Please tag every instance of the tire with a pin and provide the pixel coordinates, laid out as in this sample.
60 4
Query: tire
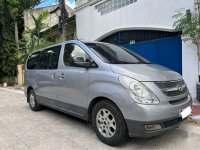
33 101
109 124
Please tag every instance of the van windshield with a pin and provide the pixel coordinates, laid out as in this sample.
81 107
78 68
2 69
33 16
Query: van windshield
113 54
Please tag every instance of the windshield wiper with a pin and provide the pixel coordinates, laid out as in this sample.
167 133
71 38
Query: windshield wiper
143 63
123 62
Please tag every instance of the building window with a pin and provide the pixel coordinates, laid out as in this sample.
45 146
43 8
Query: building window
111 5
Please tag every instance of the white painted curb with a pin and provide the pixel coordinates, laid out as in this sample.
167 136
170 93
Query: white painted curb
12 90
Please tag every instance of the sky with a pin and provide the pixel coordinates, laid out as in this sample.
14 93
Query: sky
45 3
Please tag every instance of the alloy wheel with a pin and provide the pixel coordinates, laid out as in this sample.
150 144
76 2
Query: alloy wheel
32 100
106 123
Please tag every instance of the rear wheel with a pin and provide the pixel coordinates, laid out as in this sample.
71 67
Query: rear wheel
109 123
33 101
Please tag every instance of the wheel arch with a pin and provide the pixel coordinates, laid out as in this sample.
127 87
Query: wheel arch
94 102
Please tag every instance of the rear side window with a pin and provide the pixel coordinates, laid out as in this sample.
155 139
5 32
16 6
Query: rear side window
49 58
46 59
54 57
34 61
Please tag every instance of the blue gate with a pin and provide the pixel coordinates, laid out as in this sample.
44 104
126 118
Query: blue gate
166 52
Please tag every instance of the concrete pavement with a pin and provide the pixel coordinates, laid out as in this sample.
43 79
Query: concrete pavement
21 128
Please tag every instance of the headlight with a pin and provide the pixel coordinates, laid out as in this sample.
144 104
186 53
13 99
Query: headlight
138 92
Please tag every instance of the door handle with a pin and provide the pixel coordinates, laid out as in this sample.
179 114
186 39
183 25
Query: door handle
62 76
53 75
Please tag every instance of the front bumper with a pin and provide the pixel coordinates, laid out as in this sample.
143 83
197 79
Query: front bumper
166 115
137 129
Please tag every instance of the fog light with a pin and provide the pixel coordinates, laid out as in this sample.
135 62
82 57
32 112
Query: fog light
152 127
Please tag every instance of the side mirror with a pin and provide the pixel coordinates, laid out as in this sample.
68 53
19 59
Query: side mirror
83 64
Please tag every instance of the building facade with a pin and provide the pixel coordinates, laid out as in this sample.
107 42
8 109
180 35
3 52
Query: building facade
143 26
52 21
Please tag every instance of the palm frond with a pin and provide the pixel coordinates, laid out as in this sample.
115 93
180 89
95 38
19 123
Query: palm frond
32 37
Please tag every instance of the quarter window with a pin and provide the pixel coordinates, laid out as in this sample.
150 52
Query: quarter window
34 61
74 54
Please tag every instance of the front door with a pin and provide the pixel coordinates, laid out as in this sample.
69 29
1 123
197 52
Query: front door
73 86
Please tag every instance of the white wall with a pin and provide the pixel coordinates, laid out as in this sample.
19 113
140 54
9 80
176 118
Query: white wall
155 14
190 65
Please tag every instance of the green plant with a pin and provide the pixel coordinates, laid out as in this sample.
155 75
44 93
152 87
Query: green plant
32 37
21 55
11 14
9 80
16 8
189 23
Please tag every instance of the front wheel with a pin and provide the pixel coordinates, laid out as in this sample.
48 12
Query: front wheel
109 123
34 105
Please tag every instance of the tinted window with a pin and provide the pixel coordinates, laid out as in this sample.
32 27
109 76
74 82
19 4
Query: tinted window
74 53
49 58
55 53
45 59
114 54
34 61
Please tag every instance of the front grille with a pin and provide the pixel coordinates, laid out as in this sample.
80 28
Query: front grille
176 93
173 88
168 84
175 102
170 123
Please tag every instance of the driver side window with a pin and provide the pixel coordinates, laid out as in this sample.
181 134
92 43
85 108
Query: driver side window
74 54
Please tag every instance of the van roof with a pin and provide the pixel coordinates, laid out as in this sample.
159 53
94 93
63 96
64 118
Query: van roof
83 41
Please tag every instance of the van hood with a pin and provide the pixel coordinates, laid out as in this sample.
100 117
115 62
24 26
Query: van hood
145 72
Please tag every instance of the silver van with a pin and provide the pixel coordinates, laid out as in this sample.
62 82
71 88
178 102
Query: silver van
120 93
